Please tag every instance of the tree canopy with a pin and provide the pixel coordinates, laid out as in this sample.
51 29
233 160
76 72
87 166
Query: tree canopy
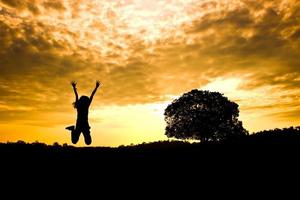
203 115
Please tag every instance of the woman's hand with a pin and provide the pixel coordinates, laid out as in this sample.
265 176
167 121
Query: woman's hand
98 83
73 83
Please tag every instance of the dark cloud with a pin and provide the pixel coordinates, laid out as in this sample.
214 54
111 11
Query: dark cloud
55 4
296 34
251 37
34 68
284 81
34 6
292 115
30 5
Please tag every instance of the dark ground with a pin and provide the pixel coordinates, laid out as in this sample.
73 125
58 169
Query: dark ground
236 165
156 154
276 145
249 164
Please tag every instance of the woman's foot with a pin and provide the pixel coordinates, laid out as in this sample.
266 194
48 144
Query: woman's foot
70 128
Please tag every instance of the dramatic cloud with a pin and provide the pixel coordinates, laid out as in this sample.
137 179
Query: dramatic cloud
147 51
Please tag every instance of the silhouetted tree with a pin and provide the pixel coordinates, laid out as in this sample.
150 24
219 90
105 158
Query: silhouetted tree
203 115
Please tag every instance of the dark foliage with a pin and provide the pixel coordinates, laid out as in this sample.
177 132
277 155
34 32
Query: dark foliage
166 166
203 115
266 150
164 151
276 136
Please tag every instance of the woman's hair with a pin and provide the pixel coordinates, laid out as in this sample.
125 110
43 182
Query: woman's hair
82 102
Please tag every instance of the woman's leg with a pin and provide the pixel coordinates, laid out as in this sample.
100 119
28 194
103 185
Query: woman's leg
87 137
75 136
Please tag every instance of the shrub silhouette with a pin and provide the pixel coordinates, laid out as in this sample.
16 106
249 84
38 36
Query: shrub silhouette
277 146
289 135
203 115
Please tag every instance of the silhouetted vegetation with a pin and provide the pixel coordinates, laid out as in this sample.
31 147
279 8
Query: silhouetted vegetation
162 151
205 116
276 136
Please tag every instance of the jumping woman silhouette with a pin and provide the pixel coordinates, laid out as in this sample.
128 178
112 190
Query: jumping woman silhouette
82 124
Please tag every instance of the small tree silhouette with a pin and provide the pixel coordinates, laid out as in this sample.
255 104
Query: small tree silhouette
203 115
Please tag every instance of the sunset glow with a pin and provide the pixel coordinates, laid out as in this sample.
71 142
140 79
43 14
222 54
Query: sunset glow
145 53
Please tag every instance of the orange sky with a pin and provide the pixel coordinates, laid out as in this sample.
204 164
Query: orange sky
146 53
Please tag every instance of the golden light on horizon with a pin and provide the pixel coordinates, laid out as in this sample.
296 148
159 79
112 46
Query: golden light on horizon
146 53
